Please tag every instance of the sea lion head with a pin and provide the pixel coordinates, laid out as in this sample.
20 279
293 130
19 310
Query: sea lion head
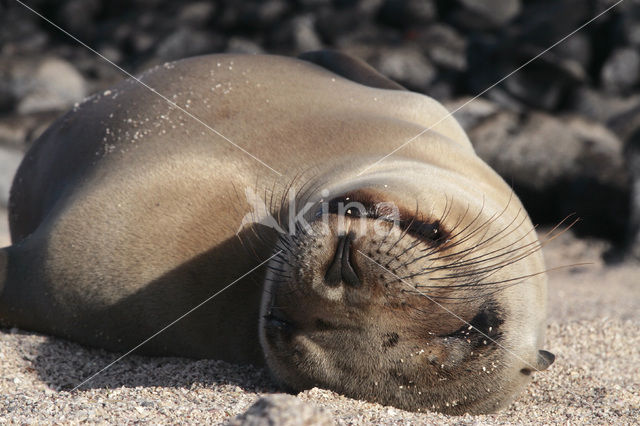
409 286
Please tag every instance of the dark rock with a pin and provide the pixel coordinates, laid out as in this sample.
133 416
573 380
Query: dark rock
186 42
9 161
444 46
281 409
543 83
621 71
485 14
310 4
331 24
627 126
629 13
252 16
406 65
407 13
20 34
633 162
77 17
576 49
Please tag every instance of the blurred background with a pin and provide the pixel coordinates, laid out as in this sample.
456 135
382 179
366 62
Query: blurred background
564 131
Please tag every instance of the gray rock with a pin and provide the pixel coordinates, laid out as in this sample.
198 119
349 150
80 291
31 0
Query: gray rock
186 42
600 106
243 45
559 167
282 410
406 65
304 34
9 161
18 131
469 113
54 84
542 150
621 71
197 14
486 14
444 46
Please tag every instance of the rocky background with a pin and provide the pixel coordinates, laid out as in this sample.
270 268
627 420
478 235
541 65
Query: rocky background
564 130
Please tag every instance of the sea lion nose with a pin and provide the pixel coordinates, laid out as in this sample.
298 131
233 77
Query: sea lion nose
341 268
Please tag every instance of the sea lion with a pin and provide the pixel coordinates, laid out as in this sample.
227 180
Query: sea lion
415 281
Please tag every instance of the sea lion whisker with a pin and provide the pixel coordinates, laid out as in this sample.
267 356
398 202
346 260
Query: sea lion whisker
464 261
454 236
487 223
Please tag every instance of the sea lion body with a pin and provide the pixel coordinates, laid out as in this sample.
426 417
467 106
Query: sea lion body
124 213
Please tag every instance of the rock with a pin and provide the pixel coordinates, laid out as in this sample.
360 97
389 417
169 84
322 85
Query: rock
197 14
53 85
18 131
633 161
9 161
407 13
469 113
543 83
282 410
406 65
621 71
333 24
304 34
627 126
444 46
253 16
559 167
78 16
243 45
186 42
629 14
600 106
485 14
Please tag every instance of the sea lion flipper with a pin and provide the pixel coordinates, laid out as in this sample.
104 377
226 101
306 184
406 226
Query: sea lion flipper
349 67
545 359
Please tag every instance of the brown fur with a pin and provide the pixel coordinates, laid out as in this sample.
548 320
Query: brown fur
123 217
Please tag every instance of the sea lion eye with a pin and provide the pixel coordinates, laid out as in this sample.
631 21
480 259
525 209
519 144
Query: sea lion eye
349 207
428 231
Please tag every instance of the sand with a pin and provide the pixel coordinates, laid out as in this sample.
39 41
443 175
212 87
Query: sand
593 330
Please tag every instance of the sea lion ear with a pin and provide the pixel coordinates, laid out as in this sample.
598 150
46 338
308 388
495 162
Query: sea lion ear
351 68
545 359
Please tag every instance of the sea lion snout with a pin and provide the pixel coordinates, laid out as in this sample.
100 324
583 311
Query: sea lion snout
342 269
